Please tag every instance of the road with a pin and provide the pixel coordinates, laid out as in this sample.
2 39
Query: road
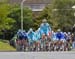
37 55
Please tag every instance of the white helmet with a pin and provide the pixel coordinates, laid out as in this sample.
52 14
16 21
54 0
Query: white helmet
44 20
30 29
69 33
58 30
20 30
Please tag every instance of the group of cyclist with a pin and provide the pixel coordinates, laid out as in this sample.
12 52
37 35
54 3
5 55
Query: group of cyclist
44 39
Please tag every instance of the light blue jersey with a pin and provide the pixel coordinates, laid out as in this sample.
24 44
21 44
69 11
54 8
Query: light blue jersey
30 35
37 35
45 28
54 36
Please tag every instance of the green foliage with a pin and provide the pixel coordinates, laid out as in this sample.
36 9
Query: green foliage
10 19
60 13
16 15
5 21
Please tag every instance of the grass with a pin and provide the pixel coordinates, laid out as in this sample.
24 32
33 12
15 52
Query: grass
4 46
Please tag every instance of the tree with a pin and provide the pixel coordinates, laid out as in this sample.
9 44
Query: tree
16 15
59 13
10 19
5 21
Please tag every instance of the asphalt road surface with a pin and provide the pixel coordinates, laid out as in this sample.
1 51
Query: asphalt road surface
37 55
